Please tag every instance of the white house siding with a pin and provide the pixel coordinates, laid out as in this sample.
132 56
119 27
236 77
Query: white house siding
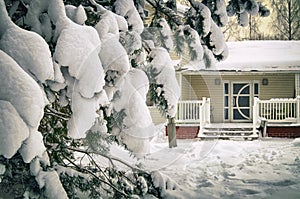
194 87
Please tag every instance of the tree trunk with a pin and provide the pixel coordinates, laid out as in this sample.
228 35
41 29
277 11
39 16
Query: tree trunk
171 128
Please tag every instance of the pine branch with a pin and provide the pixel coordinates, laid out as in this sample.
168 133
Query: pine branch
57 113
95 176
166 11
110 158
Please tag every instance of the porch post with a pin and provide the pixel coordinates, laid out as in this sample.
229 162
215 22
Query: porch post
298 109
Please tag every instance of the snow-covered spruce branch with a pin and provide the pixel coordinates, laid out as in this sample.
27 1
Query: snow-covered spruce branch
110 158
166 11
56 113
95 176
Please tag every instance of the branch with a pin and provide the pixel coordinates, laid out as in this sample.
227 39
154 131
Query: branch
166 11
59 114
91 173
110 158
50 113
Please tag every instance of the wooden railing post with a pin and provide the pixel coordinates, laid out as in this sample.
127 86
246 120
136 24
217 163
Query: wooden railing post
255 113
202 115
207 111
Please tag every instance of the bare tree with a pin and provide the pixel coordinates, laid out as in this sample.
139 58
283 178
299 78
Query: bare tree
287 24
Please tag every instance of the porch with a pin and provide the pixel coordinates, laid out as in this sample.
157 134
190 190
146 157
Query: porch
278 117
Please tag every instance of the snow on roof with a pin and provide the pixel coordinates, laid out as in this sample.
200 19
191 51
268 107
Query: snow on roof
262 56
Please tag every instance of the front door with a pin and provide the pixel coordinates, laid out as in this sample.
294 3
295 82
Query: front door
238 101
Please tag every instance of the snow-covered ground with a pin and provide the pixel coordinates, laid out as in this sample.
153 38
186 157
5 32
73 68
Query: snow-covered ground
267 168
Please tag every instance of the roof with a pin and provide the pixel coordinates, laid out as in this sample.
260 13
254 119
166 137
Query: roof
262 56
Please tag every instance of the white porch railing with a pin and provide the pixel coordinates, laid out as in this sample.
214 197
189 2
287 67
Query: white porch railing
195 112
188 111
276 110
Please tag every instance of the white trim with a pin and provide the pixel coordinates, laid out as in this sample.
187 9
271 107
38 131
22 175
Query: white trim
231 101
297 84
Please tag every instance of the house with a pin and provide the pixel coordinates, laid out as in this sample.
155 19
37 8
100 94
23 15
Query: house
255 90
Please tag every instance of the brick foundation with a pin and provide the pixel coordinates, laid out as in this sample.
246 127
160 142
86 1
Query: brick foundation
185 132
283 131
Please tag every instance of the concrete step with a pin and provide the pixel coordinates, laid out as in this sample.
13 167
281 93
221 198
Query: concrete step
248 137
212 132
229 128
223 132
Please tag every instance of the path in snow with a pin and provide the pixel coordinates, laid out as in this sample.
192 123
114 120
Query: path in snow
267 168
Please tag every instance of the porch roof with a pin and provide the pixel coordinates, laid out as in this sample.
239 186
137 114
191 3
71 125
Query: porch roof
261 56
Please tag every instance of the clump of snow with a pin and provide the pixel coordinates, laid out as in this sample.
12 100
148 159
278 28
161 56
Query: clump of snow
221 11
142 184
245 8
2 169
13 130
296 142
37 19
165 70
113 56
18 88
35 166
131 41
84 113
110 24
33 146
217 40
50 182
206 15
76 14
139 81
166 33
127 9
27 48
137 125
163 182
77 49
195 42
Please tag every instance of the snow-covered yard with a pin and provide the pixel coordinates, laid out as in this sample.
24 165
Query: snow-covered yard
267 168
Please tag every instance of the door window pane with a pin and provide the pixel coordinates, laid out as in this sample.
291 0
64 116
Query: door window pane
226 116
238 116
244 101
238 87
